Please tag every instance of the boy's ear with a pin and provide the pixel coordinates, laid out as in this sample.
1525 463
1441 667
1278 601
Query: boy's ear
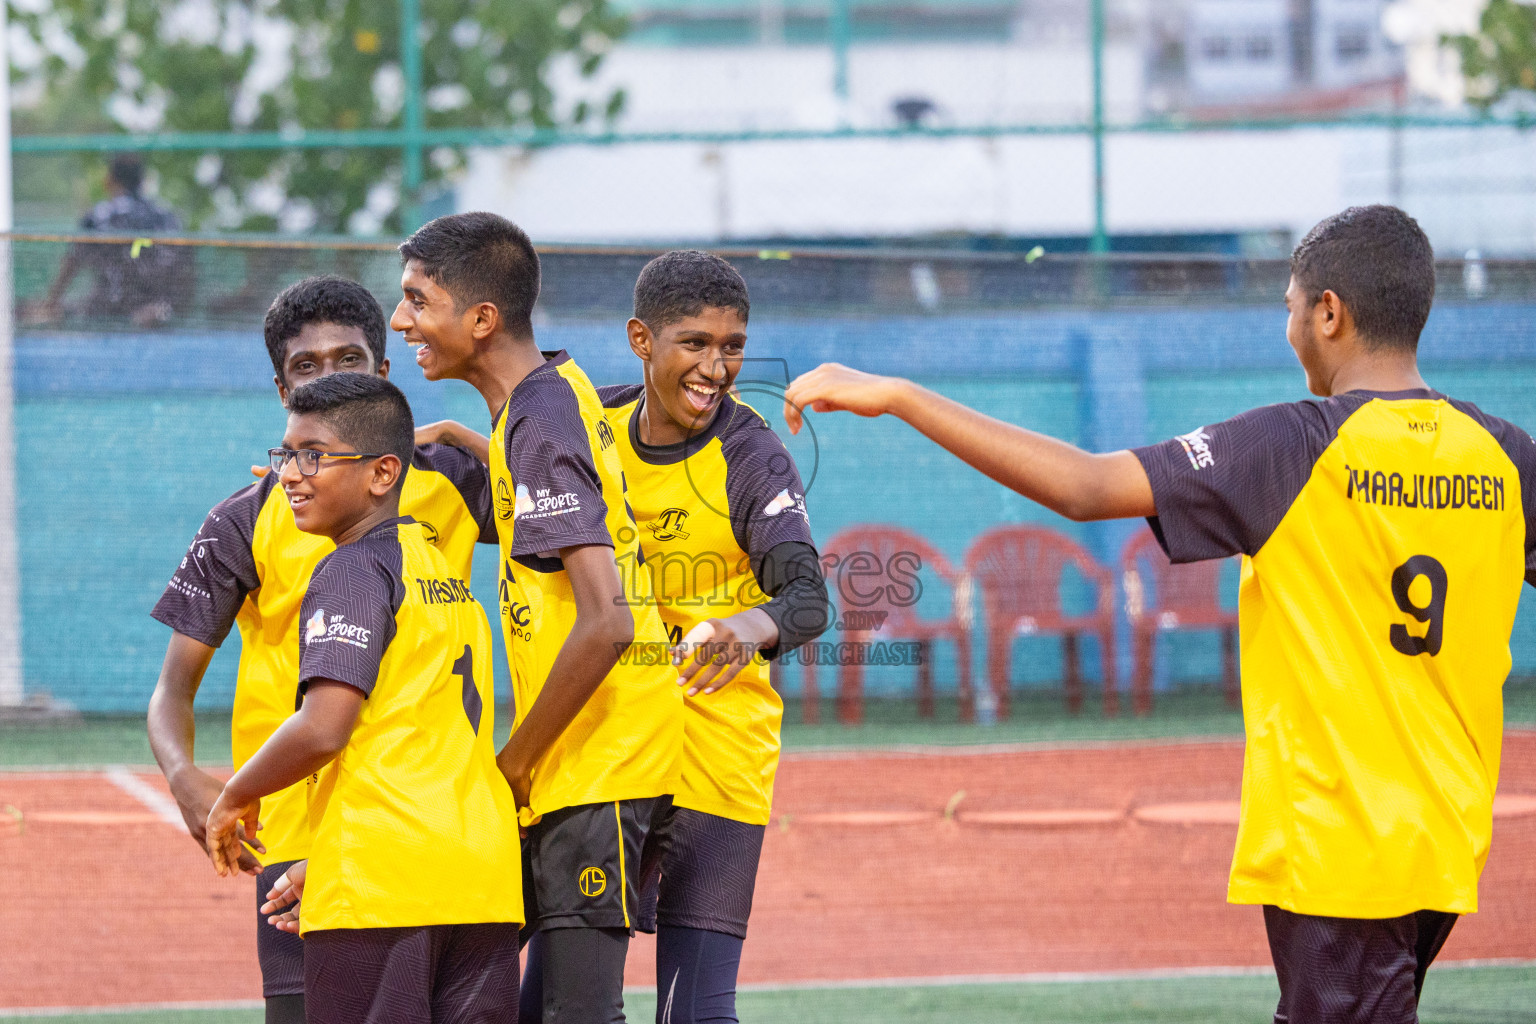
282 390
1333 319
483 319
640 339
386 471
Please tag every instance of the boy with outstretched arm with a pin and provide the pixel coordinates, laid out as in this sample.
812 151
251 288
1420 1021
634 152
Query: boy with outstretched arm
1385 531
594 750
249 566
412 900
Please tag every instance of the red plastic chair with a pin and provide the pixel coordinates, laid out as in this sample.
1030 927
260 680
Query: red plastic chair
875 602
1181 597
1018 570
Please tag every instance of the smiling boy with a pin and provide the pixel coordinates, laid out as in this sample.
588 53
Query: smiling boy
594 749
249 566
728 546
1385 531
412 896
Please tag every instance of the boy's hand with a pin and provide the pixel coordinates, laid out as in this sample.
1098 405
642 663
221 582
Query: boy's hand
286 891
196 792
715 651
229 825
833 387
517 776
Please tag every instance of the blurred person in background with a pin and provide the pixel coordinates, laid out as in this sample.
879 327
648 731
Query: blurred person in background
141 281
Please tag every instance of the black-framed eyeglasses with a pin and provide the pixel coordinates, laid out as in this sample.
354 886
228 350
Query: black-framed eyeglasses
309 459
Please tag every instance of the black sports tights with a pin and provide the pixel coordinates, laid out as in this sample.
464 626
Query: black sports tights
285 1009
574 976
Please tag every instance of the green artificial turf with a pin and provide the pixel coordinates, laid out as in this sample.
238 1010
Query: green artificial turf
1453 995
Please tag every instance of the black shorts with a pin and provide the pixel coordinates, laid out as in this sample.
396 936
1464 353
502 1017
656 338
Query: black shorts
581 865
1342 970
434 974
281 954
700 872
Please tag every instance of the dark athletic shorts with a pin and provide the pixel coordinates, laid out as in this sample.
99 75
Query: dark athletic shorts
700 872
281 954
581 865
1341 970
435 974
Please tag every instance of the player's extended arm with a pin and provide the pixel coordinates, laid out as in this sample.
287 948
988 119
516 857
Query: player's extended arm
1068 480
301 746
604 628
455 433
173 732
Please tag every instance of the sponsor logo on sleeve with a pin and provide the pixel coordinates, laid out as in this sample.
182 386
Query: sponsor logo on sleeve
335 629
1197 445
544 503
604 435
785 501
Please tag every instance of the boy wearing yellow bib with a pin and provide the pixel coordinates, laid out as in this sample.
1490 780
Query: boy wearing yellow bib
594 749
412 900
727 543
1385 531
248 567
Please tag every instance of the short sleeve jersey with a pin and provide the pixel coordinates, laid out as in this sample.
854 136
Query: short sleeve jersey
1385 537
558 483
706 508
413 823
249 566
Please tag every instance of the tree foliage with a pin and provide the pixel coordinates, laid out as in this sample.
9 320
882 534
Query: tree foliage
1500 58
207 65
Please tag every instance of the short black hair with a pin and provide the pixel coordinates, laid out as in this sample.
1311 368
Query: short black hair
1380 263
480 257
322 300
127 169
368 413
684 283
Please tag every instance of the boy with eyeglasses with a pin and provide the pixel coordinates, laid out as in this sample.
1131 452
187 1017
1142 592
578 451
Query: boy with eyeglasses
412 900
249 566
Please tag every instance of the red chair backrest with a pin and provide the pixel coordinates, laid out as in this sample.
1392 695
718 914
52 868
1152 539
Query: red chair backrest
1019 570
896 555
1154 585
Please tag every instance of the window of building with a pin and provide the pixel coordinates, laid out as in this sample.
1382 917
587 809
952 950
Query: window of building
1216 47
1353 42
1260 48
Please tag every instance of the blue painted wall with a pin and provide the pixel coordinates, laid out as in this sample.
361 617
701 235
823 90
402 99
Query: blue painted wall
125 442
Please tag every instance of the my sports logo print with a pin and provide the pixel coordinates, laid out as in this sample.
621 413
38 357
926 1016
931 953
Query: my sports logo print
320 630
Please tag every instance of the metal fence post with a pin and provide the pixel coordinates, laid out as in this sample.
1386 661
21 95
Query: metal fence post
410 67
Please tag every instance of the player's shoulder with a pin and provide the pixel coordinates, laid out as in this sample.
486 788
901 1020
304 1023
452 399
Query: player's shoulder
744 429
361 564
240 511
1516 442
549 394
618 396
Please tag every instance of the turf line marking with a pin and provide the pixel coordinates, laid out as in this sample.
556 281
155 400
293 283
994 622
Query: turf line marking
102 1011
160 805
894 750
